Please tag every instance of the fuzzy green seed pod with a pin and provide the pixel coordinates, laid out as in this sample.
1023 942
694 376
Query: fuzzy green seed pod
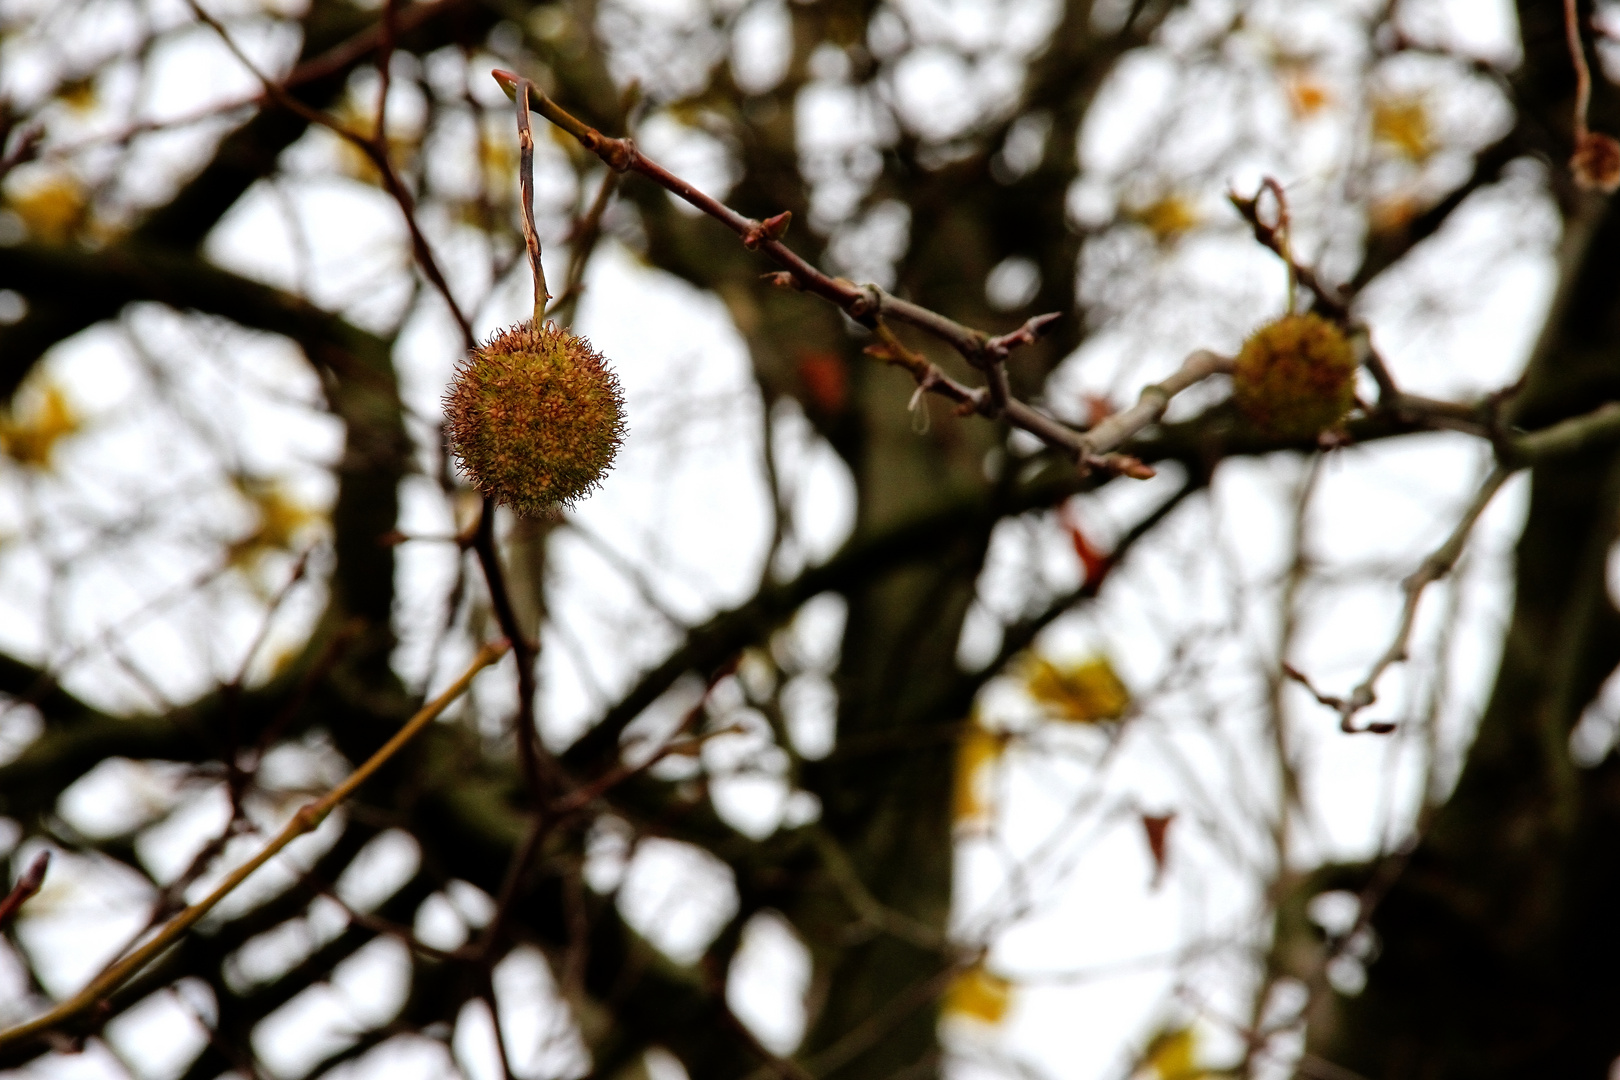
535 418
1296 377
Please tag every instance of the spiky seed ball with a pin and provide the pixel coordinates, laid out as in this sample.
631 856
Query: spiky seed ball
535 418
1596 163
1295 377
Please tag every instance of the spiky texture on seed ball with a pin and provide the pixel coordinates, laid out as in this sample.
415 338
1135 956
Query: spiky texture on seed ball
535 418
1295 377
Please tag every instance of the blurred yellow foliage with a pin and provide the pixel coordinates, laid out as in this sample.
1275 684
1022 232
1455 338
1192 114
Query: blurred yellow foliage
1168 218
980 995
30 434
474 213
1170 1055
53 209
978 751
283 522
1402 123
1079 693
354 162
1307 94
78 94
499 159
281 659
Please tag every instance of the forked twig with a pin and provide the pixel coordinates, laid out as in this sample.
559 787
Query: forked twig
376 151
1440 562
306 820
1278 238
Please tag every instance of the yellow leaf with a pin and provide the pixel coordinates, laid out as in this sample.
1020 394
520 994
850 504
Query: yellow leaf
1307 94
499 158
1082 693
1168 218
472 212
78 94
980 995
361 119
1170 1055
1402 123
281 659
30 434
283 522
975 755
53 209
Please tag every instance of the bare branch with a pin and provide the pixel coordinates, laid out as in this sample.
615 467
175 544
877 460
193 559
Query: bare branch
866 304
1275 237
304 821
1439 563
582 240
375 152
1098 444
1570 436
25 147
524 650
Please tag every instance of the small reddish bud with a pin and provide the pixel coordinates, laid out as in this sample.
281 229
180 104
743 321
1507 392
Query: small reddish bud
1295 377
535 418
777 227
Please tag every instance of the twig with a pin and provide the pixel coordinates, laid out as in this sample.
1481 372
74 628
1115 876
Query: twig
385 62
993 357
581 242
884 1019
1276 237
548 816
1436 566
1583 74
869 908
300 568
497 1029
388 928
524 650
232 691
331 653
866 304
306 820
677 743
333 61
375 153
1098 445
26 886
25 147
1570 436
531 237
